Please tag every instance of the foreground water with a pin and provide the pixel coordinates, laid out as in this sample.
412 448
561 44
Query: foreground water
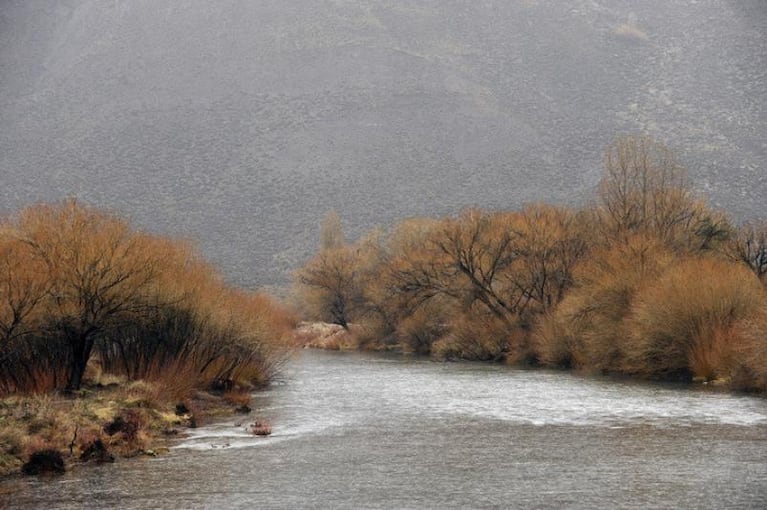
372 431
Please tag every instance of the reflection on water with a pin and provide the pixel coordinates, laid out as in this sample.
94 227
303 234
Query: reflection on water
359 430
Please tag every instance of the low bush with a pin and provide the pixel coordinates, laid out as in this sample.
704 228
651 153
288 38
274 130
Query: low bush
691 322
48 461
418 332
478 336
588 330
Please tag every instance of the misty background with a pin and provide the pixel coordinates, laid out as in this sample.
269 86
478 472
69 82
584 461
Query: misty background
241 123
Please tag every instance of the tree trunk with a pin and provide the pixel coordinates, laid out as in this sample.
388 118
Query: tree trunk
82 345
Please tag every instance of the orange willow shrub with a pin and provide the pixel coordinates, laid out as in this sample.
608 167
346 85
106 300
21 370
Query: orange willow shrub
409 320
749 360
476 334
26 361
410 271
417 332
690 323
546 283
551 241
99 276
213 334
511 266
588 328
77 280
439 270
333 285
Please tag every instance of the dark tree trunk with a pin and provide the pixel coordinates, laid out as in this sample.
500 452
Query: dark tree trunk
82 345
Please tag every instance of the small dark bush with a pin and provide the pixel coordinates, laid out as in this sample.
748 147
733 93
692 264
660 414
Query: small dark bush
44 462
129 423
98 452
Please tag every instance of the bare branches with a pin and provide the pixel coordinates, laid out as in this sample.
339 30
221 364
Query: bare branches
334 283
22 288
645 189
749 246
480 247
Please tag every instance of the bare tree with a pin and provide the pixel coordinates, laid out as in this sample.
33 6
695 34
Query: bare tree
99 275
480 247
465 259
749 246
644 188
551 242
331 283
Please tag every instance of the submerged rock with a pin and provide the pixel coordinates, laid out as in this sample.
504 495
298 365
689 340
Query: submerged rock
260 428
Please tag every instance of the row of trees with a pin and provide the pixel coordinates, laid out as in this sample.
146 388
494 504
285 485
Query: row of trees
649 280
78 285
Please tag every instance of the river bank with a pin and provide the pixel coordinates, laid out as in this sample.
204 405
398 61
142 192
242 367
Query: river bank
332 337
51 433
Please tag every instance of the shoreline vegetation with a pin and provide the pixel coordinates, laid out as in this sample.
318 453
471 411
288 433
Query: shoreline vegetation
112 340
648 281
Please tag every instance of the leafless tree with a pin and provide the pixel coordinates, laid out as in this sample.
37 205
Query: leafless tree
99 275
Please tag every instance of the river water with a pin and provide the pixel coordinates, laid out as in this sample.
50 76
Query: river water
378 431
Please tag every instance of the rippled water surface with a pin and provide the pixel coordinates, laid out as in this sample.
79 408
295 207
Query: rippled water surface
371 431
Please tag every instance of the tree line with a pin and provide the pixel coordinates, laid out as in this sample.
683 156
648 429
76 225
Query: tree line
647 280
79 287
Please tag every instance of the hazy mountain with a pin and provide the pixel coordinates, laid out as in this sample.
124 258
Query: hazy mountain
240 123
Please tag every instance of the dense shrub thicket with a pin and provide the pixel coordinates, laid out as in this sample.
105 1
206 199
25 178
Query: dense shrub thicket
649 280
78 286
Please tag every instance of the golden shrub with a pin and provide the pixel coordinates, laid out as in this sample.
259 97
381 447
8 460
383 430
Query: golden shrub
690 322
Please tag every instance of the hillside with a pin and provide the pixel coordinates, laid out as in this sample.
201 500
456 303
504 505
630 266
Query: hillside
240 124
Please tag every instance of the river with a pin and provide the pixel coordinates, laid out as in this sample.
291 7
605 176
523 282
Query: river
381 431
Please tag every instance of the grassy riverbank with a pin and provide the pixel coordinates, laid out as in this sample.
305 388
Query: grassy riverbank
108 419
648 281
111 338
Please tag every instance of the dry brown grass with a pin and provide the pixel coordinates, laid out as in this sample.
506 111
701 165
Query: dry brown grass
127 419
240 398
